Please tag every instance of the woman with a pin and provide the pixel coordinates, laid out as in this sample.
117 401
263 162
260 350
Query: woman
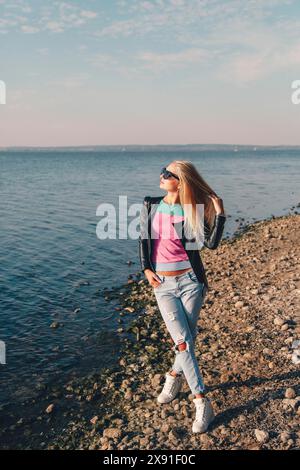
172 264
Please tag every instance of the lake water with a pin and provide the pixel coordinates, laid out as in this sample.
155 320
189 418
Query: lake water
53 264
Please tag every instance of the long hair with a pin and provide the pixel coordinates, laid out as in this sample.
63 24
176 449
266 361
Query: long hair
194 190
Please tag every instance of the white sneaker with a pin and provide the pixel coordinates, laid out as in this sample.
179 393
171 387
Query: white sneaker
171 388
204 414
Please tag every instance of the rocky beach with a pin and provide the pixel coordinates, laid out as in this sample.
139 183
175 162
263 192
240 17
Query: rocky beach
248 352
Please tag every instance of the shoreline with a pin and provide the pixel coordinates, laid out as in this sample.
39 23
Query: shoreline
117 408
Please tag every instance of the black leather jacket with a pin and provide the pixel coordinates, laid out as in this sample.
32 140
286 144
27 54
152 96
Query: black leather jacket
212 238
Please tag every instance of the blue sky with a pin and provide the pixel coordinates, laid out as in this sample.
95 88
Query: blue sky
149 72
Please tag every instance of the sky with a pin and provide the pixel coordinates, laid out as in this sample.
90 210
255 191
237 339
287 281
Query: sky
117 72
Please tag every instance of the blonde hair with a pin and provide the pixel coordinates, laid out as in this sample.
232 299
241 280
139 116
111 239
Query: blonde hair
193 189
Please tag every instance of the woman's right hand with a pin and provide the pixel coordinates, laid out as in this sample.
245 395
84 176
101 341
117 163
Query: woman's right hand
153 279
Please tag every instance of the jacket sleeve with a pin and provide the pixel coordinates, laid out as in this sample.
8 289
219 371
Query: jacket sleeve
212 237
144 236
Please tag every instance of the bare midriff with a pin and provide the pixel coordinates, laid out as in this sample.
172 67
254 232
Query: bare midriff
173 273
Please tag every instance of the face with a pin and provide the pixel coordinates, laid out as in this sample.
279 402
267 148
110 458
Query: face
169 184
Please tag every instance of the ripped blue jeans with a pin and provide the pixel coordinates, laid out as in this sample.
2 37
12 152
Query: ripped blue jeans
180 299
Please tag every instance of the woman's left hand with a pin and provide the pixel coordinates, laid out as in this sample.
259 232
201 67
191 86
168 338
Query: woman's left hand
218 204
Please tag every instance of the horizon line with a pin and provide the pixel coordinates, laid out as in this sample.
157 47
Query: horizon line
142 145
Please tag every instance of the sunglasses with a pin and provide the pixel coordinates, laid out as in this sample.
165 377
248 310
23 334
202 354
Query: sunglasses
168 174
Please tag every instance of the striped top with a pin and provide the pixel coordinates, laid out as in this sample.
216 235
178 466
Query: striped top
168 253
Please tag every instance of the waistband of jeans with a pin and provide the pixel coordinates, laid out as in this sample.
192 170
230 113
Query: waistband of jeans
174 276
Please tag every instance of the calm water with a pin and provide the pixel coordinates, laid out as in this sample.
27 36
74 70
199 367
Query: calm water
49 248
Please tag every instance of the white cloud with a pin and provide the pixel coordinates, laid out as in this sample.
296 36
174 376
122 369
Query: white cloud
243 40
29 29
70 82
104 61
125 28
54 26
52 16
88 14
246 68
156 62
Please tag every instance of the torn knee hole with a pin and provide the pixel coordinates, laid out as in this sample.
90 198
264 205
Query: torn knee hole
181 346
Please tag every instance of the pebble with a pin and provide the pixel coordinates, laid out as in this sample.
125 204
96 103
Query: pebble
94 420
290 393
129 309
285 436
148 430
279 321
144 441
261 436
165 428
296 357
224 431
155 381
112 433
205 439
49 408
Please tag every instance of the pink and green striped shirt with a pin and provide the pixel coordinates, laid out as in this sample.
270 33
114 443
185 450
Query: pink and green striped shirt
168 253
